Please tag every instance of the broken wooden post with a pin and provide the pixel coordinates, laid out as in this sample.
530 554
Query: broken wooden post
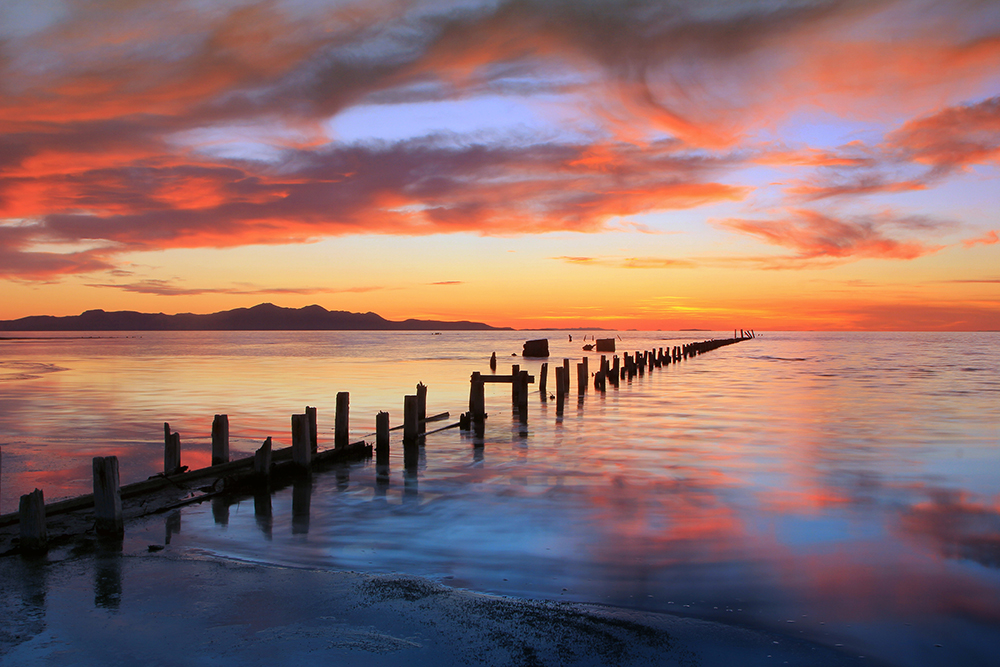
313 429
493 362
220 439
31 515
301 449
560 394
581 377
341 428
409 419
171 450
521 379
477 398
382 438
107 497
543 376
421 407
514 386
565 376
262 460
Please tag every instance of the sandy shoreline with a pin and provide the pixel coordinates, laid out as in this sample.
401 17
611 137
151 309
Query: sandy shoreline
91 604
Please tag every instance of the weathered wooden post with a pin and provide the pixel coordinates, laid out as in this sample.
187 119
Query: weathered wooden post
262 460
421 407
341 429
171 450
522 395
586 365
581 377
514 386
616 371
107 497
313 429
493 362
382 438
560 394
542 377
220 439
409 419
477 403
31 515
565 386
301 449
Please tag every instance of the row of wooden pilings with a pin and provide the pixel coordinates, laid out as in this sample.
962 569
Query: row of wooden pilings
626 367
107 496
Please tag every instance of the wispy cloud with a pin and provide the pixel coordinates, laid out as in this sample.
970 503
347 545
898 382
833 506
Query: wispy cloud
630 262
171 288
814 236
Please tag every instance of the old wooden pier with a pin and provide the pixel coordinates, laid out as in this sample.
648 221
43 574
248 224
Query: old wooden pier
36 525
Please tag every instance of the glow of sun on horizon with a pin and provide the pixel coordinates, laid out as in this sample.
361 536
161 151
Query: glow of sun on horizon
530 164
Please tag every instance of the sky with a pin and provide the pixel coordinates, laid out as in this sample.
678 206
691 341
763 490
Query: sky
647 164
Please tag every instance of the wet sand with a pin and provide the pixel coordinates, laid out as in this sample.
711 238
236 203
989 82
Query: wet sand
95 604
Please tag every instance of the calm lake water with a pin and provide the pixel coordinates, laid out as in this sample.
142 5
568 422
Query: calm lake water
839 486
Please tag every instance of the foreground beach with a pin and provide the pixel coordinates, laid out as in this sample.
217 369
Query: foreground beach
89 605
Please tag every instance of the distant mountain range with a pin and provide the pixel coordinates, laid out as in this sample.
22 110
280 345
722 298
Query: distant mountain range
264 317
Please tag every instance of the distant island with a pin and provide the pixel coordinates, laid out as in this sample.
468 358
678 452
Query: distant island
263 317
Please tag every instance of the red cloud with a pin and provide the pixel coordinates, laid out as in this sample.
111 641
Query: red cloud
814 236
989 238
955 137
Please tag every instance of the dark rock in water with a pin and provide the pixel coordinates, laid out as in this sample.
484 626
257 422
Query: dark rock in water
588 347
605 344
536 348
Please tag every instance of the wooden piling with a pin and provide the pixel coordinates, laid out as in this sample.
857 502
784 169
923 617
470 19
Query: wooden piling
262 460
313 429
421 407
521 380
220 439
514 386
301 449
542 377
560 394
107 497
382 438
171 450
477 398
581 377
409 419
341 429
31 516
565 376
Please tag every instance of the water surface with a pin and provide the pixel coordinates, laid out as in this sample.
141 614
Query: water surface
840 486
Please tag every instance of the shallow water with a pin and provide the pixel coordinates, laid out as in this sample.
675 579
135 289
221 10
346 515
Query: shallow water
839 486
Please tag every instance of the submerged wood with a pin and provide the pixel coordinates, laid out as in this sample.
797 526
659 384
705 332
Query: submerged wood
536 348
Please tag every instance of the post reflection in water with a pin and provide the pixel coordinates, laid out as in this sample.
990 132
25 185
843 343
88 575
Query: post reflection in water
262 511
220 510
381 480
411 461
108 574
23 591
172 525
302 489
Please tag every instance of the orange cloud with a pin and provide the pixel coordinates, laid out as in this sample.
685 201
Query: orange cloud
989 238
814 236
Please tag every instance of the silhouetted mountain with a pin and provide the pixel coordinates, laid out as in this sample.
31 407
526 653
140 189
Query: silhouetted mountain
264 317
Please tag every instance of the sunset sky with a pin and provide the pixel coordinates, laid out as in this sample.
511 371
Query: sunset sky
651 164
